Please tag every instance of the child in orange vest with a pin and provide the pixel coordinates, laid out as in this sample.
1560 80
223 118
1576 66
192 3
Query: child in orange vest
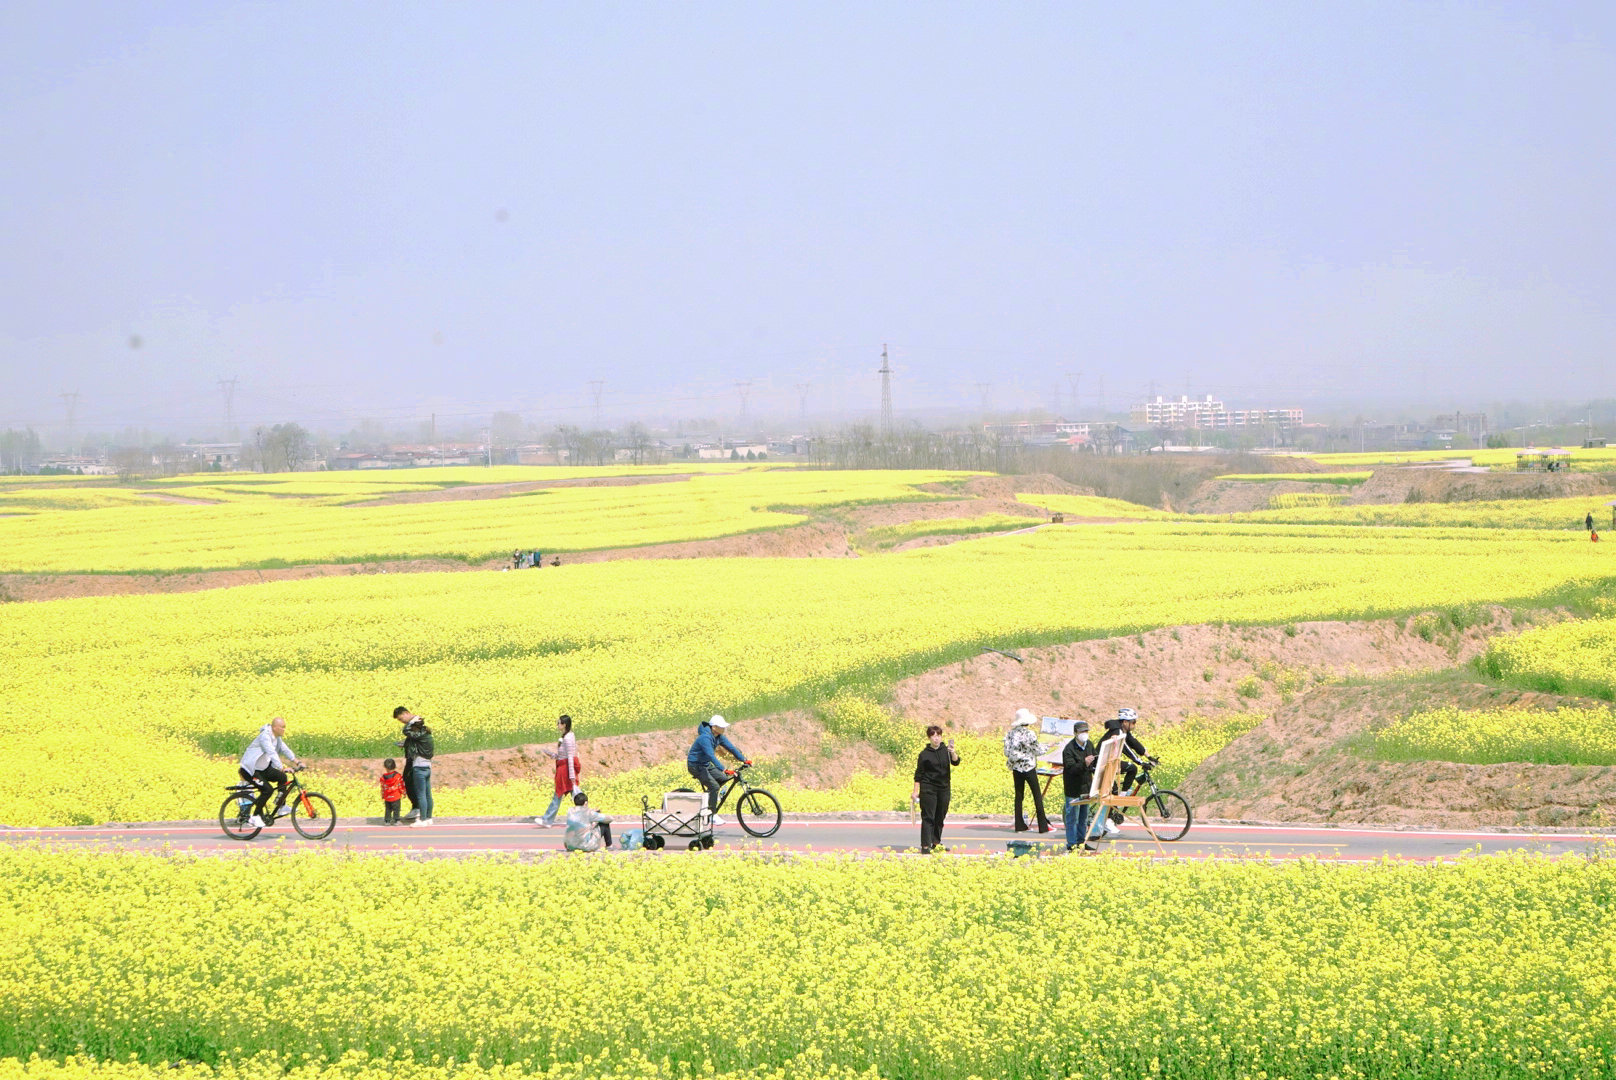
392 791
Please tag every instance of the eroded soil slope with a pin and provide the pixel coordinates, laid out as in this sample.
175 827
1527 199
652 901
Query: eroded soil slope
1307 763
1177 672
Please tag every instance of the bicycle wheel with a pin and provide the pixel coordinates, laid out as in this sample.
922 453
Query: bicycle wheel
758 812
318 824
1168 813
233 817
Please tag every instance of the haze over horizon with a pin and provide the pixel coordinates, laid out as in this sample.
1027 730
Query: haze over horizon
381 212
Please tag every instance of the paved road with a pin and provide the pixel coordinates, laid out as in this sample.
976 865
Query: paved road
973 837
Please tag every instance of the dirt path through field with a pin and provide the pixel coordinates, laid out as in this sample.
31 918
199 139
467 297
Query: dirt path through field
499 491
829 534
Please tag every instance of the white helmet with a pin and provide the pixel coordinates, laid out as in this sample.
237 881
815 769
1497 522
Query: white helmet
718 722
1127 714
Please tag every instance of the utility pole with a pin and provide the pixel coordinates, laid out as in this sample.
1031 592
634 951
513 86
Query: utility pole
70 398
802 400
597 387
886 394
743 388
228 386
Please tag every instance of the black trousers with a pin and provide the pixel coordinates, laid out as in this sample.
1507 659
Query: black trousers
933 810
409 786
268 779
391 813
1025 780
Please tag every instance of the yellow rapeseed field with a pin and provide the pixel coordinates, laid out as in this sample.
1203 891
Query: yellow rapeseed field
144 688
1574 657
1561 514
1567 736
291 521
130 966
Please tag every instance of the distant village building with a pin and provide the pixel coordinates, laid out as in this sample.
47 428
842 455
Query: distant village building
1208 414
214 457
1100 435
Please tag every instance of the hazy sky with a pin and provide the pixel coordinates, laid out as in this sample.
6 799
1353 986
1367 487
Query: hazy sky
384 209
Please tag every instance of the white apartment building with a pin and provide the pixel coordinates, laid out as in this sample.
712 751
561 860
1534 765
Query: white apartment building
1208 413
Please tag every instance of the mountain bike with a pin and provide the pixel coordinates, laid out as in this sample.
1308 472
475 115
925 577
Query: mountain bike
758 811
312 814
1168 811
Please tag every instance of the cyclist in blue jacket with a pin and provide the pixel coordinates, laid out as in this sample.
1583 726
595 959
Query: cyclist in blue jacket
703 762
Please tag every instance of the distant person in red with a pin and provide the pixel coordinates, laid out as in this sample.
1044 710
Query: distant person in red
392 791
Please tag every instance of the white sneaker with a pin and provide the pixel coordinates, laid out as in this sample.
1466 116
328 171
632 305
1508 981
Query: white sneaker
418 822
256 822
1111 829
717 821
541 823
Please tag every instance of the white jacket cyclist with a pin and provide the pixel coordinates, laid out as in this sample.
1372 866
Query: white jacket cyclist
267 749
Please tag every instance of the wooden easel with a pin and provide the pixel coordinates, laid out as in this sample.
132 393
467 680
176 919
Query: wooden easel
1102 798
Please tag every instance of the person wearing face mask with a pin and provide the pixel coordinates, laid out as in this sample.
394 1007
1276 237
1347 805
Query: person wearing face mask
1077 774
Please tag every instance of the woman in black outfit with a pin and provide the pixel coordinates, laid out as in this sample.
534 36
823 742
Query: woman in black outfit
932 778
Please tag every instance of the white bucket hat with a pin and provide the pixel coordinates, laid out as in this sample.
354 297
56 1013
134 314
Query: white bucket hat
1025 718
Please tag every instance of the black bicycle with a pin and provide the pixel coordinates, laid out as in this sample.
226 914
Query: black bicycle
1167 811
757 810
312 814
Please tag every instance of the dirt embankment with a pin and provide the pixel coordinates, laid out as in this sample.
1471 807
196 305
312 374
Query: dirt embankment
1417 484
1244 496
796 738
1177 672
1304 763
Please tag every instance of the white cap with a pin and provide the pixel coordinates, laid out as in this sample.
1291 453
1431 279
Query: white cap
1025 718
719 722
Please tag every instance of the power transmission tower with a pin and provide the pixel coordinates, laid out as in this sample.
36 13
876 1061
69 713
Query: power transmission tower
743 388
1074 379
984 390
1101 401
886 393
802 400
597 387
70 398
228 387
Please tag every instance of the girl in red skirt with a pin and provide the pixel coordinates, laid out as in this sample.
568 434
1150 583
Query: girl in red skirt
567 770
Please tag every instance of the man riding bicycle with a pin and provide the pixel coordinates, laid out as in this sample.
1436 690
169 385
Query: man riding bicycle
1134 756
263 766
703 762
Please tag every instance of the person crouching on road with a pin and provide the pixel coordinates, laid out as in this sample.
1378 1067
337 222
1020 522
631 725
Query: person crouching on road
1021 752
567 770
1077 775
703 762
587 829
392 791
933 780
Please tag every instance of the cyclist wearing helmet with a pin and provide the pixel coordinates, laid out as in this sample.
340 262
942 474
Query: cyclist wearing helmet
263 767
703 762
1133 756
